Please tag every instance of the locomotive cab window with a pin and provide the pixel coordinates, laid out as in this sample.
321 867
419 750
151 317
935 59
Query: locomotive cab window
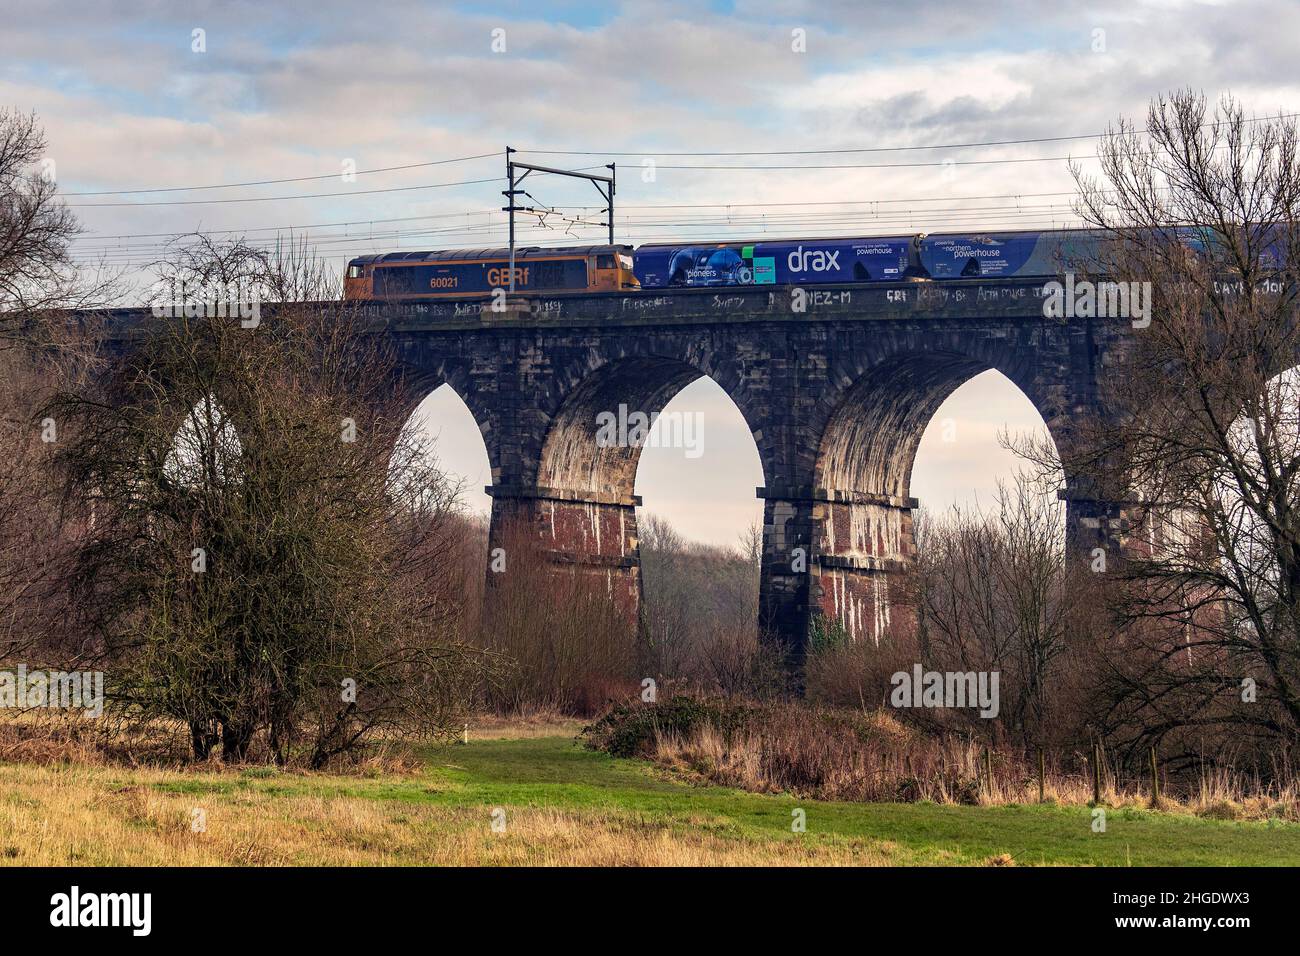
354 272
604 262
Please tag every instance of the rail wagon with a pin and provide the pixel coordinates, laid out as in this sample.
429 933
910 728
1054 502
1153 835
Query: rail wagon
1008 254
776 262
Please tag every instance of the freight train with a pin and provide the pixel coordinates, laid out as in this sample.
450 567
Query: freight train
469 273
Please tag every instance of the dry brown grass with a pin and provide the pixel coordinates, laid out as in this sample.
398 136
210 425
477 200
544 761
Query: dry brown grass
542 722
54 737
872 757
93 816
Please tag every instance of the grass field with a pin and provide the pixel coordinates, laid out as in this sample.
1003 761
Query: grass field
562 805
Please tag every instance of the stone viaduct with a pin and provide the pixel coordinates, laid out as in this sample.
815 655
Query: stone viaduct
836 383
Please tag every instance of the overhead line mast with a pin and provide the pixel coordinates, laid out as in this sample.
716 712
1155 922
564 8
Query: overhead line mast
606 193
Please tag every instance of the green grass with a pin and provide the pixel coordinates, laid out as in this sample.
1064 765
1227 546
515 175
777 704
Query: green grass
557 773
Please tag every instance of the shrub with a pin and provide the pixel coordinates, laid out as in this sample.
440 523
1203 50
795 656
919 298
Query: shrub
635 729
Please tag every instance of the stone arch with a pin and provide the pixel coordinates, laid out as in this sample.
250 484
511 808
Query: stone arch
572 457
874 425
575 488
870 440
204 441
419 383
862 505
702 472
419 390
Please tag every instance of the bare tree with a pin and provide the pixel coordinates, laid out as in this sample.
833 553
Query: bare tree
38 276
1203 435
267 543
993 592
36 546
701 605
199 269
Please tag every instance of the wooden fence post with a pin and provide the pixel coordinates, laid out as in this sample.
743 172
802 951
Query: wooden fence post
1096 773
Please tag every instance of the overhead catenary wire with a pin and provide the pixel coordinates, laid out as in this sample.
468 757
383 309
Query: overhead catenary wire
498 179
866 149
749 216
682 213
333 195
288 179
300 227
650 231
942 163
497 154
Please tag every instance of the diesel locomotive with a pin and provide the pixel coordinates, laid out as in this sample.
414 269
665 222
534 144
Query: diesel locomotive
468 273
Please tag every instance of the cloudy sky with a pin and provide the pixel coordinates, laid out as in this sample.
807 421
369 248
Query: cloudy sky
874 105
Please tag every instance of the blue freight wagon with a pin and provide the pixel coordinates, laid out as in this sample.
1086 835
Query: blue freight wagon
778 262
1008 254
